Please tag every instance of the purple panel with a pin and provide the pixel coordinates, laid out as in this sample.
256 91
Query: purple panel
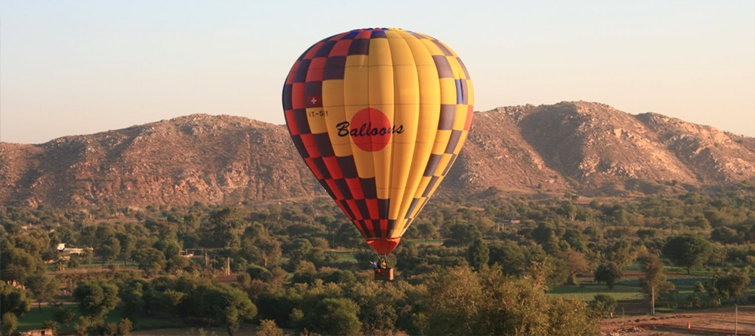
287 97
300 116
376 227
466 73
464 91
383 206
368 188
348 167
300 146
362 206
320 164
351 35
360 47
447 115
459 96
348 209
391 227
334 67
301 72
323 144
443 48
411 207
327 188
344 188
432 164
378 34
430 186
453 141
441 62
450 164
325 49
312 89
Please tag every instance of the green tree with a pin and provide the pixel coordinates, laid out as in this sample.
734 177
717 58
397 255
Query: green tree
687 251
151 260
732 285
336 316
478 254
96 297
604 305
609 273
18 264
269 328
63 315
110 249
462 235
43 288
13 300
10 323
654 280
575 262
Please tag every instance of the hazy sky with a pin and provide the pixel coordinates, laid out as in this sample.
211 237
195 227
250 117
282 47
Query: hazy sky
80 67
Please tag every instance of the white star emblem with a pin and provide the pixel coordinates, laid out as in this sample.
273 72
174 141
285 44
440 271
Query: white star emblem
314 100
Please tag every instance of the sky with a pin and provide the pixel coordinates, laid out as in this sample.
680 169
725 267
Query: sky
82 67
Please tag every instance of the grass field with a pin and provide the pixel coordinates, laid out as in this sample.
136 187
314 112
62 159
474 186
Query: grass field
35 319
588 292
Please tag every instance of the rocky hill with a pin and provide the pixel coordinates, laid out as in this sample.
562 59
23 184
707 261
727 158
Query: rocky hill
589 148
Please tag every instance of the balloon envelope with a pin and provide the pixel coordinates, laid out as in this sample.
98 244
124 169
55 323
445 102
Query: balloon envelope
379 116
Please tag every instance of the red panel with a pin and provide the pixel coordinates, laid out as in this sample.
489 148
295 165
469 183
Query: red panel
291 122
355 209
372 205
335 170
313 51
292 73
470 114
312 167
334 188
316 69
338 37
365 34
309 143
297 96
347 214
356 189
383 246
370 227
341 48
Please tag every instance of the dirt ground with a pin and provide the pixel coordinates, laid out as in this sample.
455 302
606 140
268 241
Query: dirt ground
720 321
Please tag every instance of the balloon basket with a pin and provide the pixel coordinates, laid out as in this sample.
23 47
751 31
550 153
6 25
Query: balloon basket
385 274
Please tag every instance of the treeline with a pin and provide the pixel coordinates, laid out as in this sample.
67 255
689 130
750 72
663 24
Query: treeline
290 271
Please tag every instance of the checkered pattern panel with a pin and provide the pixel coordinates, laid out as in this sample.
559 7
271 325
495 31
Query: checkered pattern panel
321 93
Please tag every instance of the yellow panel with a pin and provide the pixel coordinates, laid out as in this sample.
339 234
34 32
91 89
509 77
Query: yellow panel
356 87
431 47
456 67
444 160
424 181
401 54
332 97
470 101
316 120
406 91
357 61
460 118
448 91
381 97
441 141
429 114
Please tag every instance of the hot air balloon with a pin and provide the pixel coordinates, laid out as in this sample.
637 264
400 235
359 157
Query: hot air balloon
379 116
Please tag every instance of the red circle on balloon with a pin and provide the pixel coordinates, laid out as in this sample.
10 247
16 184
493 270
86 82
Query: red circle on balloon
370 129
